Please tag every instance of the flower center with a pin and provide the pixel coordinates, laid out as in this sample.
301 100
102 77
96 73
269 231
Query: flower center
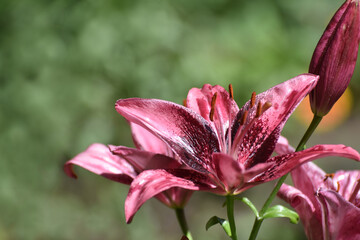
247 120
254 110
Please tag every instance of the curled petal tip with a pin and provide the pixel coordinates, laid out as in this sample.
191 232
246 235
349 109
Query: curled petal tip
68 168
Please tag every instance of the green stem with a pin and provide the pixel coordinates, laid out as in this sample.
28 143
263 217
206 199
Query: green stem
301 146
180 215
230 213
313 125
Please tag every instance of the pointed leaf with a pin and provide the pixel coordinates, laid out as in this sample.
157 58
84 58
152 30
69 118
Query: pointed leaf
250 204
216 220
281 211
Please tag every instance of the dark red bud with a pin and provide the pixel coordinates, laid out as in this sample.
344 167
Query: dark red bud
335 57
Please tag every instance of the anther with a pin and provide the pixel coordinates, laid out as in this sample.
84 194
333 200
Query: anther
212 111
253 98
338 186
266 106
184 103
258 110
231 91
243 118
328 175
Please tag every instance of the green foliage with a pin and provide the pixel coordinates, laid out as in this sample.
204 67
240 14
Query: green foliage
216 220
281 211
250 204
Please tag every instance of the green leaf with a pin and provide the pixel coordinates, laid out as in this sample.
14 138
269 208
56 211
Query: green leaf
216 220
281 211
250 204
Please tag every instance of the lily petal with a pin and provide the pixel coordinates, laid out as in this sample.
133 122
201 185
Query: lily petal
310 215
250 174
225 107
308 178
284 98
152 182
347 181
143 160
98 159
286 163
283 147
228 170
186 132
341 218
145 140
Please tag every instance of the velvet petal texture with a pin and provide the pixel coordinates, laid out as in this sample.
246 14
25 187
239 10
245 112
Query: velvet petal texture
328 205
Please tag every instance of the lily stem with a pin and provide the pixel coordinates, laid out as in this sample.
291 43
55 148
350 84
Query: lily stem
301 146
230 213
180 215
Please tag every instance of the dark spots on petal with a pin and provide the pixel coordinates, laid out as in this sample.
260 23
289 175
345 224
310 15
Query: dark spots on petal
265 150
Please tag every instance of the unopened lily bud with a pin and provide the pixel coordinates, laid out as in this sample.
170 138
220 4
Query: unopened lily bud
335 57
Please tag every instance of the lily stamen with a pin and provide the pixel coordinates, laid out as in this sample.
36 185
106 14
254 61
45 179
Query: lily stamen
243 118
231 91
241 132
258 110
355 191
253 98
328 175
266 106
184 103
212 111
338 186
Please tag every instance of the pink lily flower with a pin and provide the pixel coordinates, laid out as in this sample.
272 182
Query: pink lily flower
335 57
328 204
226 149
123 164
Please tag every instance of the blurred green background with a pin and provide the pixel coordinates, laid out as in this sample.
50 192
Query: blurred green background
63 64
